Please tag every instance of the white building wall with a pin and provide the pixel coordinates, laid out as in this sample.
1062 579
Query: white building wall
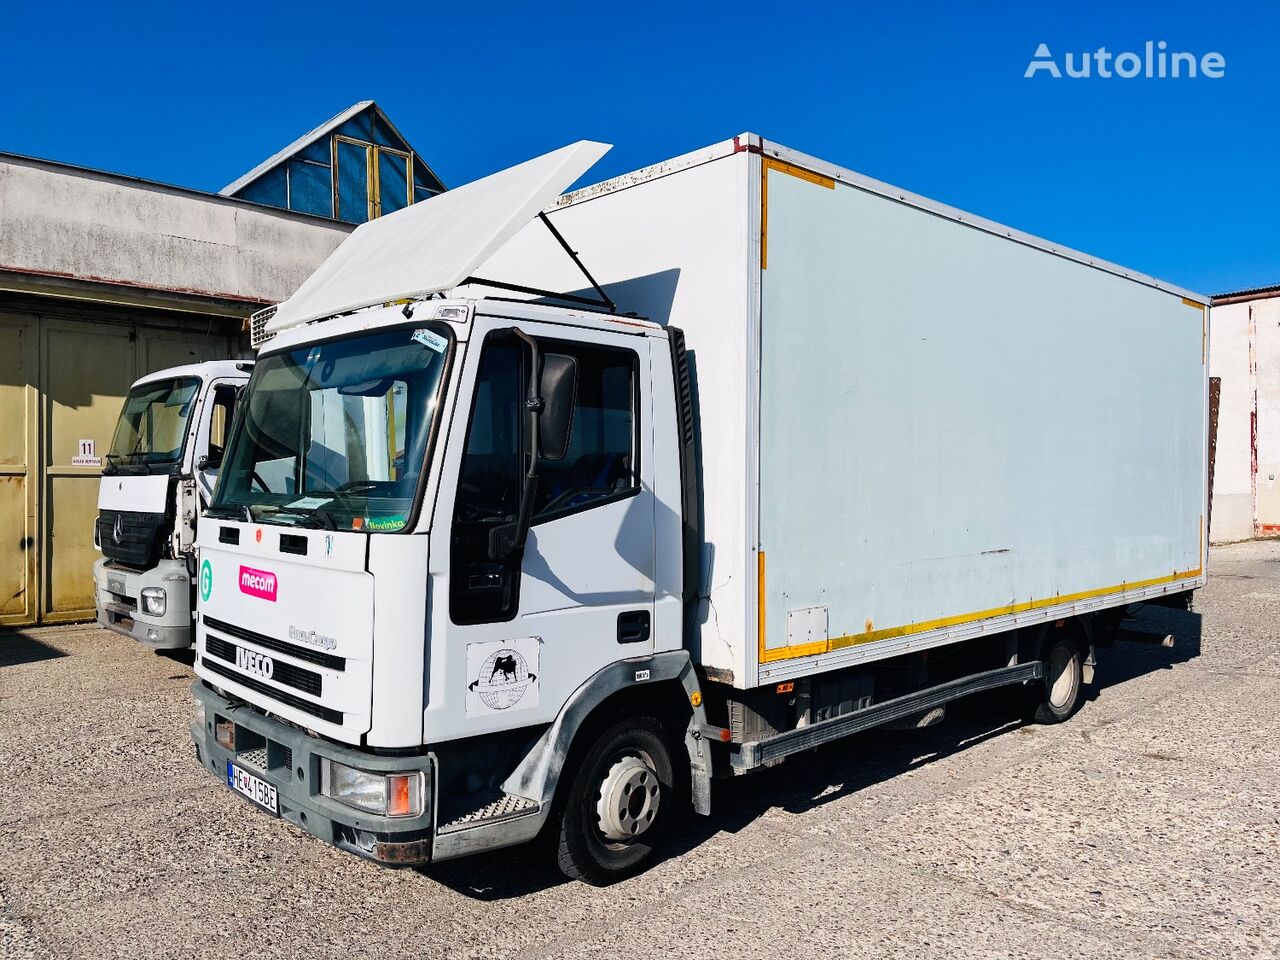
1244 351
1264 326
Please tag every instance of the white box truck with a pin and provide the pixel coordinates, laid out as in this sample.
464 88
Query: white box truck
157 479
542 511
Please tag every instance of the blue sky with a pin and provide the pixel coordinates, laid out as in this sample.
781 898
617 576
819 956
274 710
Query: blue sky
1173 177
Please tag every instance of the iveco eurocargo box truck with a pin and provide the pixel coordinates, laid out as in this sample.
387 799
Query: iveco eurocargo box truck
542 511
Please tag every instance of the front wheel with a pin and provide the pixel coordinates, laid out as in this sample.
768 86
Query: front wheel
619 805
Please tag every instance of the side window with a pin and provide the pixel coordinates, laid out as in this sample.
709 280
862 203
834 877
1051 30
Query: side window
601 463
224 408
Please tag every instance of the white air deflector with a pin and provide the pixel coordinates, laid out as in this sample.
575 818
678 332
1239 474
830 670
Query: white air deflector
434 245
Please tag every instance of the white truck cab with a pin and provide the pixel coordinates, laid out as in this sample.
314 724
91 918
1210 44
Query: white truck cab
158 477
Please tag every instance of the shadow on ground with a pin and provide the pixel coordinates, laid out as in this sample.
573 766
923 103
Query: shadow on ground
18 647
808 781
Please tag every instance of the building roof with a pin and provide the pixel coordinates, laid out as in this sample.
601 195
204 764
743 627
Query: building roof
301 143
1239 296
311 137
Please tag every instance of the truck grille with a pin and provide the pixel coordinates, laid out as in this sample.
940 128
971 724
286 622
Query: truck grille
285 673
318 657
140 535
281 696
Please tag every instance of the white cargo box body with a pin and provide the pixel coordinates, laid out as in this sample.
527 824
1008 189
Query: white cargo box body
915 426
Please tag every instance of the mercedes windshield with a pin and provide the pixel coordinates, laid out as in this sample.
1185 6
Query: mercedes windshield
335 434
152 429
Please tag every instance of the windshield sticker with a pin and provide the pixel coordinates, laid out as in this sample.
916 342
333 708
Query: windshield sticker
384 523
309 503
502 675
258 583
430 340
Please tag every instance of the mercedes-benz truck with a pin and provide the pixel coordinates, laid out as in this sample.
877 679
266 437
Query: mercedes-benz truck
544 510
156 480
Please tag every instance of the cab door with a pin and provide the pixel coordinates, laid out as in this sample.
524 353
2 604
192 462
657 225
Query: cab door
217 413
513 638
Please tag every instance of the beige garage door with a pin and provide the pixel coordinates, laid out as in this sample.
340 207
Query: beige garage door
86 371
18 532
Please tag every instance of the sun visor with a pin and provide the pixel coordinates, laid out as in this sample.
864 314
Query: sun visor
434 245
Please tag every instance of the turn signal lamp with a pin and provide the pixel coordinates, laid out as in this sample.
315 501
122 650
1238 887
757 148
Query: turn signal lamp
224 732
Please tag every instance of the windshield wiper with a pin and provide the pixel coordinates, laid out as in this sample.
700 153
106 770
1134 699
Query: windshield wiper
324 519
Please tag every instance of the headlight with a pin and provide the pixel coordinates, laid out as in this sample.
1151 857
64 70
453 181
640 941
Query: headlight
154 601
386 794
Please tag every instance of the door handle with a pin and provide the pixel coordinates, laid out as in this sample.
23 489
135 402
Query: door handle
633 626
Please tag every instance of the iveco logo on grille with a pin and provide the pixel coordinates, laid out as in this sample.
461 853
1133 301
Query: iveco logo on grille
258 663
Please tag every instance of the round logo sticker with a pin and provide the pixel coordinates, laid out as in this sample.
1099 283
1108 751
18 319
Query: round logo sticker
206 580
504 677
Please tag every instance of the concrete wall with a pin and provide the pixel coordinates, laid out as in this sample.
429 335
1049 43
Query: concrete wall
65 222
104 278
1244 350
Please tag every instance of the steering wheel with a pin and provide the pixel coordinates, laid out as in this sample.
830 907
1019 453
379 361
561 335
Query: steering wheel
254 478
555 503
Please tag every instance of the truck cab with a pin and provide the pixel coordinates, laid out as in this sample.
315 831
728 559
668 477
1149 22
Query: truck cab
385 566
158 476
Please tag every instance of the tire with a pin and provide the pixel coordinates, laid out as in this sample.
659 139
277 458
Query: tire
631 760
1057 697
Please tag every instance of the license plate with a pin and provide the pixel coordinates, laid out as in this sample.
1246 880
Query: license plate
256 789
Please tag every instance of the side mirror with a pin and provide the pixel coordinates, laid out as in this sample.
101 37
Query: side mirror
559 386
208 463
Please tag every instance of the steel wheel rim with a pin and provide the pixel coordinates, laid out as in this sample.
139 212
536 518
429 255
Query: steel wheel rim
1062 676
627 799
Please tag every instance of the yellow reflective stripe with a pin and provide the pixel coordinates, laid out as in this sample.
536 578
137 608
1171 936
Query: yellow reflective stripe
924 626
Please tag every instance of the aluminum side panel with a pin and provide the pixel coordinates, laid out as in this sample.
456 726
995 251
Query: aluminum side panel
956 427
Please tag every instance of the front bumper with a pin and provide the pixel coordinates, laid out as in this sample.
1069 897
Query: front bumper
289 759
118 601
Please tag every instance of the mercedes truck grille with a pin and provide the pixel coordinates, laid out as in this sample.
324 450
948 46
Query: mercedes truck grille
131 538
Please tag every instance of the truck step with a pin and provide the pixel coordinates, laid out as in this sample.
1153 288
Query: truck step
505 807
758 752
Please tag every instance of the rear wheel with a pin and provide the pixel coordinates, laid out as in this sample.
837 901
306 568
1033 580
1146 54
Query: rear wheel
619 804
1057 696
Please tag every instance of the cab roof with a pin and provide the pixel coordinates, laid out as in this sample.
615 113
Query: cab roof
209 370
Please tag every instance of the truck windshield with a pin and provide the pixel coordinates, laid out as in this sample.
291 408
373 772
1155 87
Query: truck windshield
153 425
335 434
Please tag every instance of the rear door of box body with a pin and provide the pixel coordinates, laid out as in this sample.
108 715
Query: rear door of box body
958 431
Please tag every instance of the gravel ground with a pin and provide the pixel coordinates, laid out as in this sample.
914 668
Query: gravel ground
1148 826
